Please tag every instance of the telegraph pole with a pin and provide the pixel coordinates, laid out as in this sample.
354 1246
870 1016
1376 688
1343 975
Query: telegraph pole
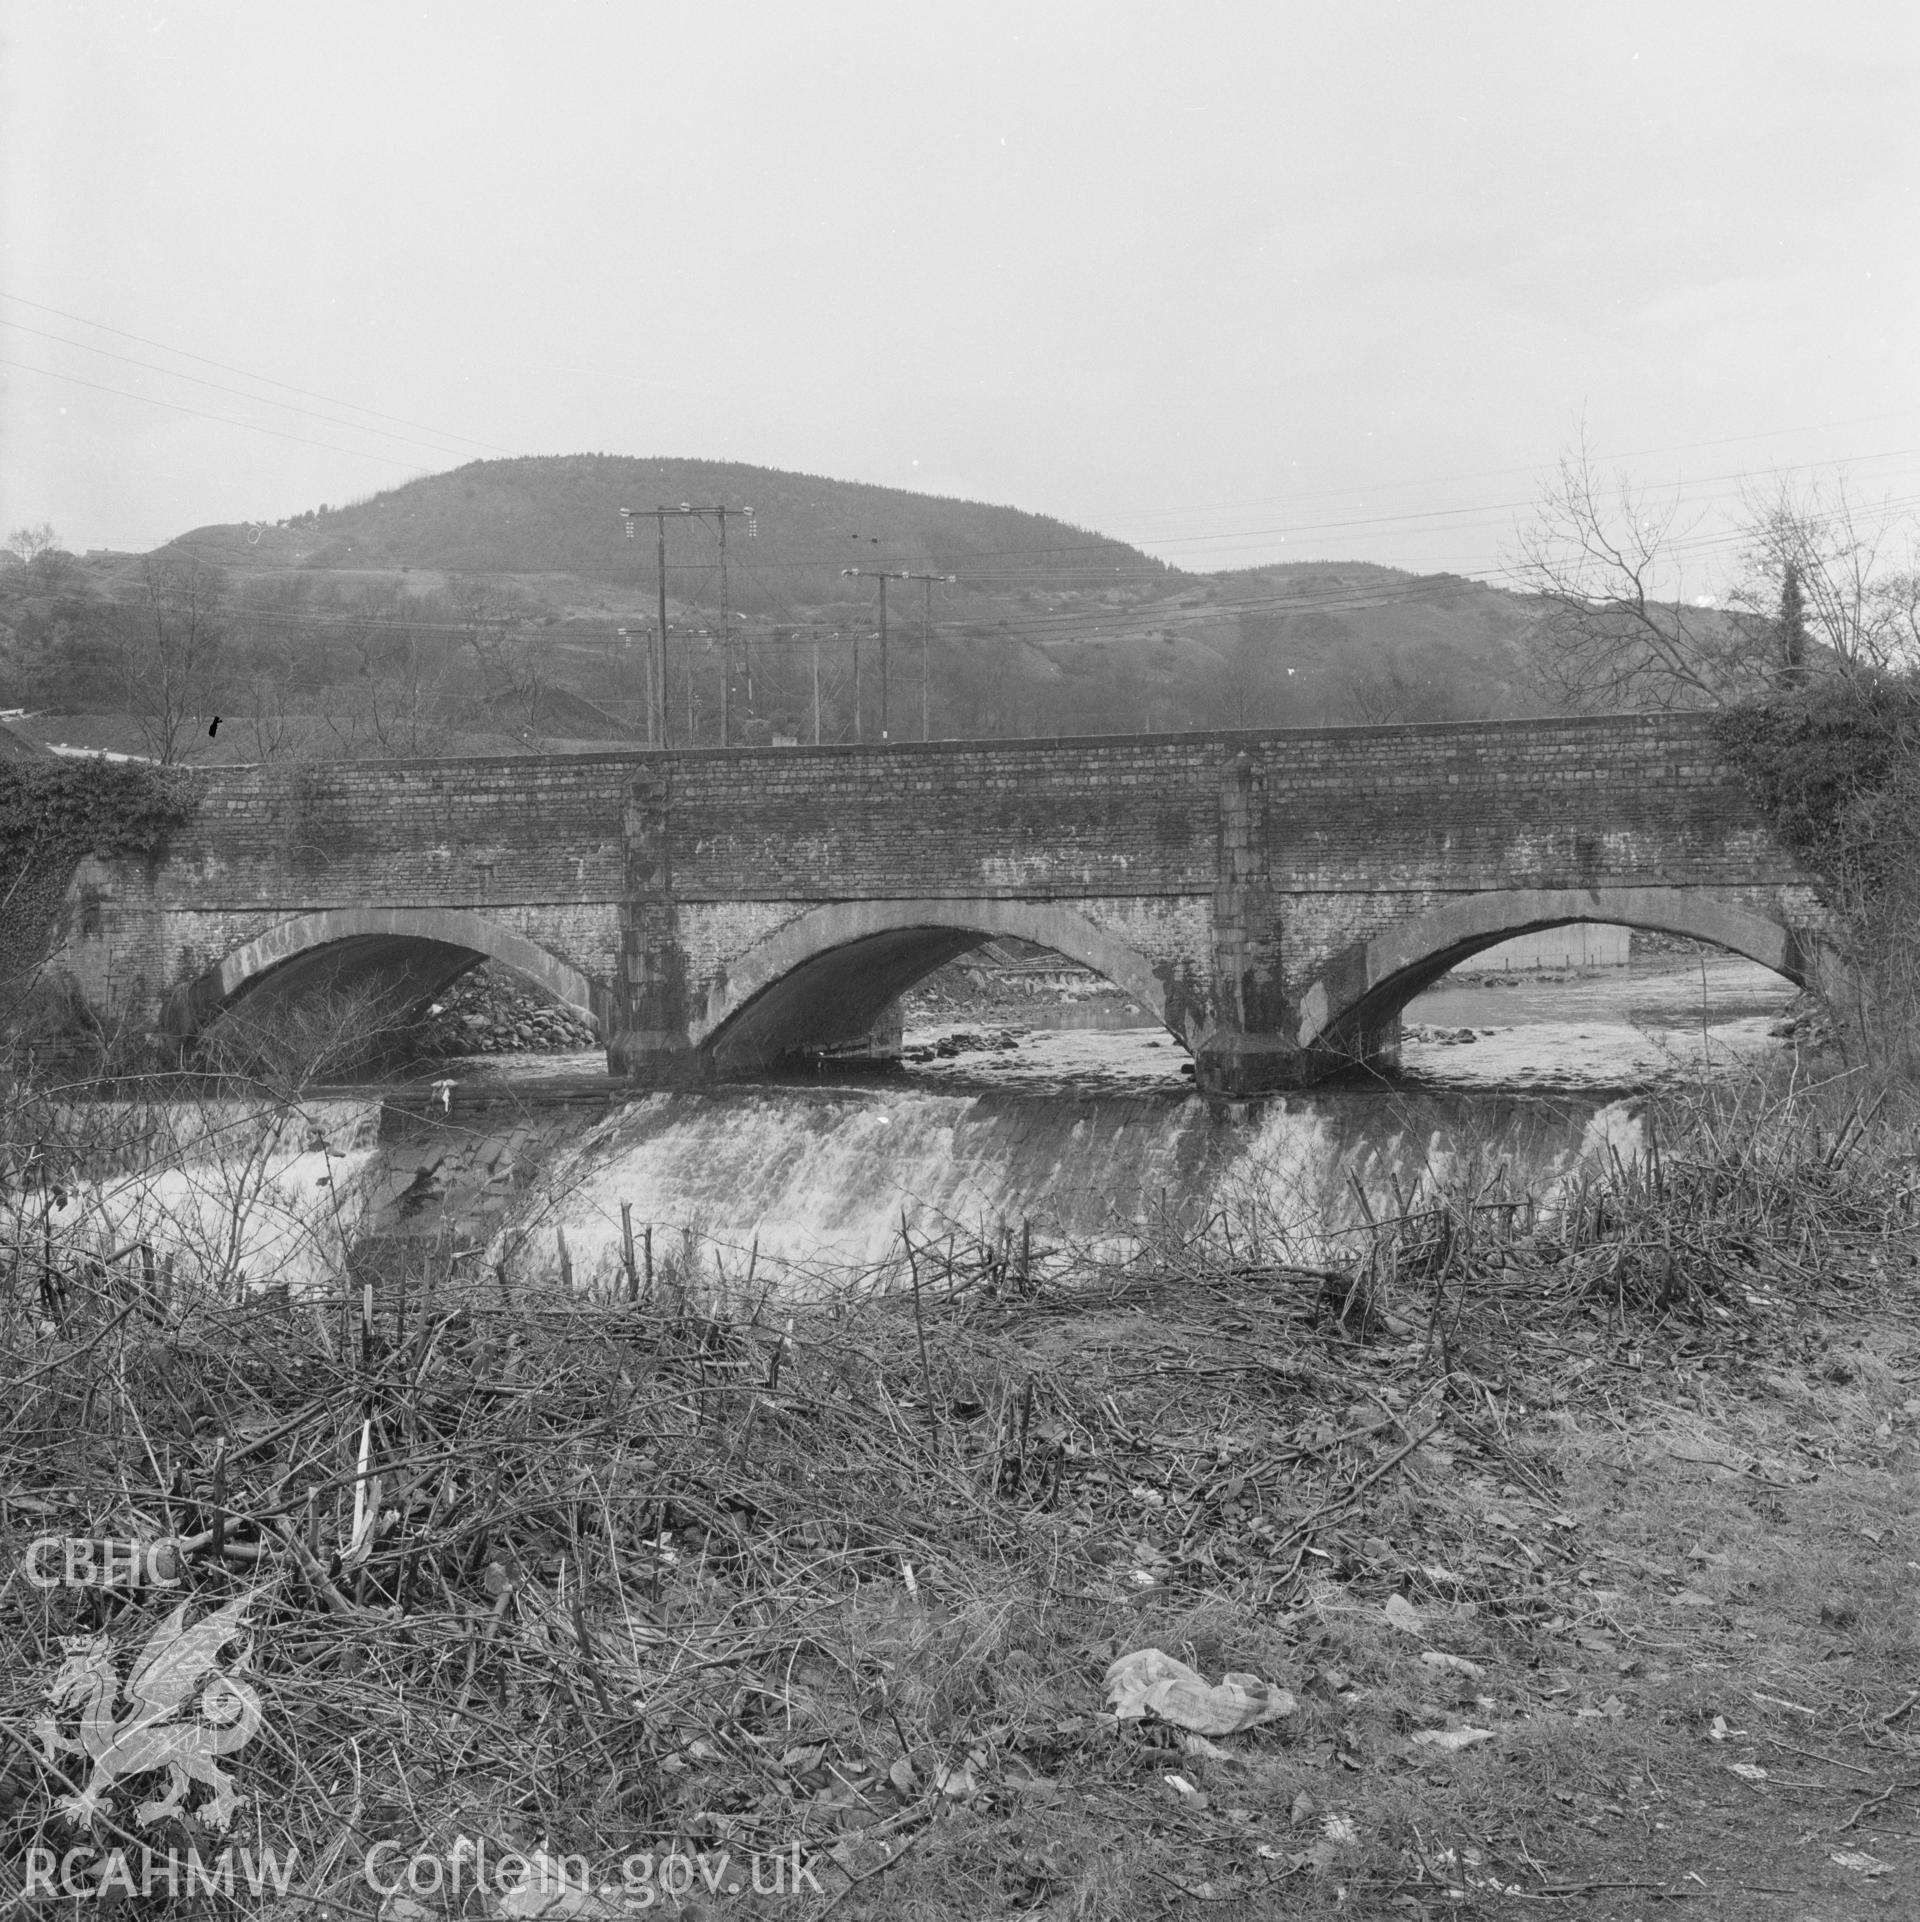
926 636
657 641
660 659
726 644
883 577
627 515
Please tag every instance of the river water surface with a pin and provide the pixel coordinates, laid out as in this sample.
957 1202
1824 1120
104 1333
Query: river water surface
1080 1139
1089 1138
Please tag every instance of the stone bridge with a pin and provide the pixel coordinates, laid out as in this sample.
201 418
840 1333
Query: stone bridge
1274 898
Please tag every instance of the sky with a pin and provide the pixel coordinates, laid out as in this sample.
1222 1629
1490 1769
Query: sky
1238 283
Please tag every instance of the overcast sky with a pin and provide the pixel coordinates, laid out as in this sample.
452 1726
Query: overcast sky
1238 283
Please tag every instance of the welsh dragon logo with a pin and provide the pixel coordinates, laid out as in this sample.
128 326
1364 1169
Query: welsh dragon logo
149 1734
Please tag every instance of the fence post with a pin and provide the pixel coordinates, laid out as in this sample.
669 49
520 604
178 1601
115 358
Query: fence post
626 1250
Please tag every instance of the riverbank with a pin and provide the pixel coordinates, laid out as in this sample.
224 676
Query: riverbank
1577 1539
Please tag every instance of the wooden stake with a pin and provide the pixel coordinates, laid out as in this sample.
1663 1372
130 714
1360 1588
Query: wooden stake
219 1498
626 1250
919 1327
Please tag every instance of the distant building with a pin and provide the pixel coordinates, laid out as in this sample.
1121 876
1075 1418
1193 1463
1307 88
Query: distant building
1580 944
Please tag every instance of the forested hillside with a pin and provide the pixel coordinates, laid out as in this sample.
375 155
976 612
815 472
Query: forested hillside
499 608
561 515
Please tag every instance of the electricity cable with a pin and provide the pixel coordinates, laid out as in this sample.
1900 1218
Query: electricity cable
226 367
239 393
225 420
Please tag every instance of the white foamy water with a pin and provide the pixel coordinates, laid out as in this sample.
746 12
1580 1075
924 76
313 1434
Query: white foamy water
804 1188
229 1198
1096 1138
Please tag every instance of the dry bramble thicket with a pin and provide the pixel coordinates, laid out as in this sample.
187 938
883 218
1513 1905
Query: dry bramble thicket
1532 1513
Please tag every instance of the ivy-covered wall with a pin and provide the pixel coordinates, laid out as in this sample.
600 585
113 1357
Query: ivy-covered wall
52 815
1834 768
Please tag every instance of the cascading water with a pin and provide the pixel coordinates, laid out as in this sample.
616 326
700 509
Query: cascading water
1093 1138
813 1187
1088 1139
224 1195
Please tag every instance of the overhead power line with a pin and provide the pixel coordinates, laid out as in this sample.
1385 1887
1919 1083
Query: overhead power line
225 420
239 393
1534 467
268 380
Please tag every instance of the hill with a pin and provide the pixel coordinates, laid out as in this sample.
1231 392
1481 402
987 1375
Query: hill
501 602
561 515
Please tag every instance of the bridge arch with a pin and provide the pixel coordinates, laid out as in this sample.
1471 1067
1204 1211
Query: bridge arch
426 948
1369 983
827 976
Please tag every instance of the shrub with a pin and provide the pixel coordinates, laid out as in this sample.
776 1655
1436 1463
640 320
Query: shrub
1835 768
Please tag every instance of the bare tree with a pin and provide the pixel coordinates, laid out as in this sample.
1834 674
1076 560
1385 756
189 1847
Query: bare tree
277 721
513 671
1608 564
1854 569
172 646
36 558
394 700
1379 695
1825 585
25 545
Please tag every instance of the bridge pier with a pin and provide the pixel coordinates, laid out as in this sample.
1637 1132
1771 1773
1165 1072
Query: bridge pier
1249 1050
648 1035
1252 1064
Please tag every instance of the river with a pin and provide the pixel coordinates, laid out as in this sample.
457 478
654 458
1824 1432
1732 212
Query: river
1082 1140
1087 1138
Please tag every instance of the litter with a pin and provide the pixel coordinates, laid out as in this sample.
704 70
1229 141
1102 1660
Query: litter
1452 1740
1150 1679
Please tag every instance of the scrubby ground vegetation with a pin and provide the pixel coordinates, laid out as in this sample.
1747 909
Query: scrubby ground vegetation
1579 1538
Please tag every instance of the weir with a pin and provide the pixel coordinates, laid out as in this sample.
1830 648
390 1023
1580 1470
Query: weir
804 1191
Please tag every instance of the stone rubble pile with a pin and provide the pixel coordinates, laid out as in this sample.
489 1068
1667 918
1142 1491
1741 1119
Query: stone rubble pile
1806 1023
490 1012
